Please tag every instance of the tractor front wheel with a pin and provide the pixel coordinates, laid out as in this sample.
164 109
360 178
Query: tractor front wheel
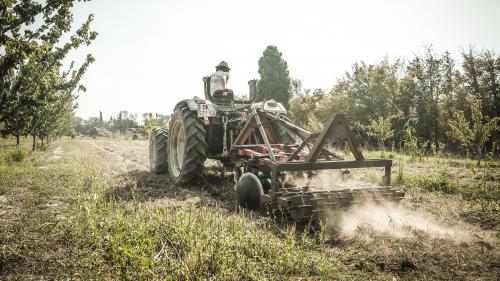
158 153
187 146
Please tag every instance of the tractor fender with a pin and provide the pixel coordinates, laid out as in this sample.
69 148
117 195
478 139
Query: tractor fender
191 103
204 109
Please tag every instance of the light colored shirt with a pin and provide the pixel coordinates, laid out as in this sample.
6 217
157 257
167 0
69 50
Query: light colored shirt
218 81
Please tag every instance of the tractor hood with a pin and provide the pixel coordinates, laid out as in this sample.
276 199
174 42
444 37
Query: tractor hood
269 106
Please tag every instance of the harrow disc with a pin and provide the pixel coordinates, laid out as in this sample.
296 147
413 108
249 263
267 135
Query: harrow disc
304 205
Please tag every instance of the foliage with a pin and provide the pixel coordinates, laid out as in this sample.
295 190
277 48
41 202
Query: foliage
412 102
301 106
122 123
409 138
474 133
441 183
380 128
274 82
37 96
16 155
157 120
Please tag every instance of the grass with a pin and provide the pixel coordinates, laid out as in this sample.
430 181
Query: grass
200 243
478 188
93 212
17 154
68 227
142 240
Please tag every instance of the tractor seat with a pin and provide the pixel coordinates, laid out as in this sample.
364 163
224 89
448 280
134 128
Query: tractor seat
225 96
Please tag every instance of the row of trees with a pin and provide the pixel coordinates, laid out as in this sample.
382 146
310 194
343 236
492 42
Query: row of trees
37 95
122 122
429 102
449 104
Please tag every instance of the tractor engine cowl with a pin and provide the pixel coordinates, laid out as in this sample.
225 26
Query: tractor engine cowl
269 106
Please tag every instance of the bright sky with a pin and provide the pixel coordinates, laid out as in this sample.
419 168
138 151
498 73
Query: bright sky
151 54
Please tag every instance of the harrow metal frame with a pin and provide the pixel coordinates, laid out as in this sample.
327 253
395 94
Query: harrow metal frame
319 158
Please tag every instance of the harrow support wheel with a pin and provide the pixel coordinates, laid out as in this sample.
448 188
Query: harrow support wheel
249 190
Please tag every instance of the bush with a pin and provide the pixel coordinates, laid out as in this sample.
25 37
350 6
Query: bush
16 155
440 184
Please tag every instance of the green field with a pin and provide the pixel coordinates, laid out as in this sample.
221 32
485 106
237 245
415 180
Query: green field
89 209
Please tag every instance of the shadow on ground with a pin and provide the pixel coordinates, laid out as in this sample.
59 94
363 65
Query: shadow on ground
140 185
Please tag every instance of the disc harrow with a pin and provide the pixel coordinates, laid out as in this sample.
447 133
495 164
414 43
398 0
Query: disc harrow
304 205
255 152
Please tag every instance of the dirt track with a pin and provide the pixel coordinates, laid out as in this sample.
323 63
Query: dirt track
125 164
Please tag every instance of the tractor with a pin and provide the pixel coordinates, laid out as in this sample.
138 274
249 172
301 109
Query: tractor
264 149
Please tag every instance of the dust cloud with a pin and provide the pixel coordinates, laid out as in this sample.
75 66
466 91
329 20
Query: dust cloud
317 180
329 180
393 220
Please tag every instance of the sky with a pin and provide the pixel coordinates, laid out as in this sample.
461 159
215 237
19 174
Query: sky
152 54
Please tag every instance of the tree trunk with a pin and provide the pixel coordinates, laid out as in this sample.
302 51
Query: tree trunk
17 139
428 145
34 142
479 155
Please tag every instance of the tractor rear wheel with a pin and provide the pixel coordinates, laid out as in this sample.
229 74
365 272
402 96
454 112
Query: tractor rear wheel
187 146
158 151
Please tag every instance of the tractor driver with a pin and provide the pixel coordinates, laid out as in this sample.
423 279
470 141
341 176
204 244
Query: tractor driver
218 80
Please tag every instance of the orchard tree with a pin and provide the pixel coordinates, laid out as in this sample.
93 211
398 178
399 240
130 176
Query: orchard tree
410 143
21 38
34 88
304 109
472 134
56 102
423 83
275 82
381 129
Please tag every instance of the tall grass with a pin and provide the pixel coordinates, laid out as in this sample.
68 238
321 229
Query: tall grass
187 242
14 155
85 234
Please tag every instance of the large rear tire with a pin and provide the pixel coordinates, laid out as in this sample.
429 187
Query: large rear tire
187 146
158 151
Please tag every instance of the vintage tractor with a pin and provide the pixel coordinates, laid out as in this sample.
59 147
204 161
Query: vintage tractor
263 148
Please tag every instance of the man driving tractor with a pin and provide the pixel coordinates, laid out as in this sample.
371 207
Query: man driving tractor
218 81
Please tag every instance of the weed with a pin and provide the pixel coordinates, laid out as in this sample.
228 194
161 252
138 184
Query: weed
43 146
400 178
16 155
439 183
